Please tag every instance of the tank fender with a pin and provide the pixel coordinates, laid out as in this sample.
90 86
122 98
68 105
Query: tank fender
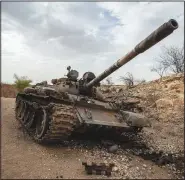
135 119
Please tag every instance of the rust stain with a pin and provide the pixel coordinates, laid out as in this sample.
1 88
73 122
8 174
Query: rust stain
110 114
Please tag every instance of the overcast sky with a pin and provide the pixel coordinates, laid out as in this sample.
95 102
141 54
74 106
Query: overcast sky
40 39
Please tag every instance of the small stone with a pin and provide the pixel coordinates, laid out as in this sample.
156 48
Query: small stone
113 148
144 165
115 169
105 162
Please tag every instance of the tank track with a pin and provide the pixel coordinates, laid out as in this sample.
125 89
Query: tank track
58 123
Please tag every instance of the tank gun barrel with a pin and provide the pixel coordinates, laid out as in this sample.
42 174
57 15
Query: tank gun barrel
160 33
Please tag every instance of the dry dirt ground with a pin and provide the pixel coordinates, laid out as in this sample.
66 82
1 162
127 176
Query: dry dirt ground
22 158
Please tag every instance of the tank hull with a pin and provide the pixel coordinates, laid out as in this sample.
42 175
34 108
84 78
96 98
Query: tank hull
50 119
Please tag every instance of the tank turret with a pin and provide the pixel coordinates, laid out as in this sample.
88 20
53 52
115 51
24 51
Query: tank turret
88 83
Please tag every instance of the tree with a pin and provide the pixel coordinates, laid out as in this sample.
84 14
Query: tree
171 59
21 82
109 81
128 79
160 69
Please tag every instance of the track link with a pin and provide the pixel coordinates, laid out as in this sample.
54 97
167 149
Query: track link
59 120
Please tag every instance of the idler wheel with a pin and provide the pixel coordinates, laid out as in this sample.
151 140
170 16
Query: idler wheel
20 109
17 108
41 123
22 114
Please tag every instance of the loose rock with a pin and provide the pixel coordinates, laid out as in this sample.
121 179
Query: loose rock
113 148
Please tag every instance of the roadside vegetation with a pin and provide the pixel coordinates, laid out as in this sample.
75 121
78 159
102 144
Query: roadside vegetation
21 82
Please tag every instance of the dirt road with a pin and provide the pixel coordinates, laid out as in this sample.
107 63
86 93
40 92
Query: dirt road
22 158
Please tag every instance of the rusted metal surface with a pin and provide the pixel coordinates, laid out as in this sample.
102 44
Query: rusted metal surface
99 116
160 33
98 168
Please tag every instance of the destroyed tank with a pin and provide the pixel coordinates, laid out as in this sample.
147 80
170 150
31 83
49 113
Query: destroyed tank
52 113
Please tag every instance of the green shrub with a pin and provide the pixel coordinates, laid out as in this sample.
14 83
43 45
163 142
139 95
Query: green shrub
21 82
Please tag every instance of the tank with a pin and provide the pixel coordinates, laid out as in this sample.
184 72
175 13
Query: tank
55 112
